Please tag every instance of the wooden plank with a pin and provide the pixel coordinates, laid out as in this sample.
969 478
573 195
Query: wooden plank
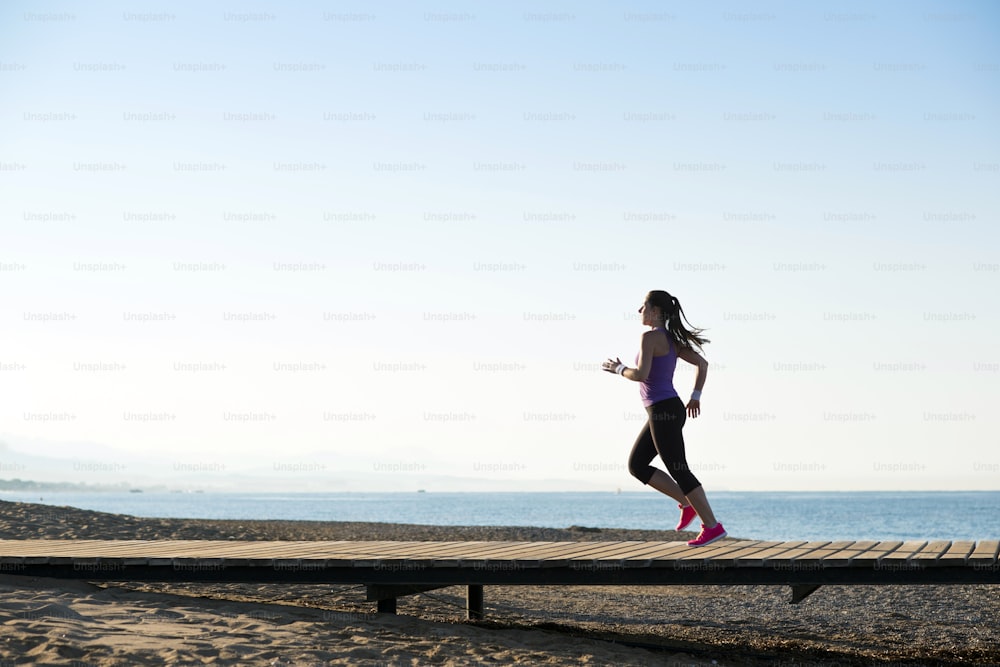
571 554
452 547
508 550
195 548
798 552
359 553
547 554
957 554
262 553
905 551
277 550
249 553
145 548
369 558
251 550
133 550
777 549
901 558
419 549
872 555
69 548
747 552
544 553
263 549
609 551
124 551
42 547
780 550
314 550
20 550
720 548
607 557
602 555
725 555
619 550
257 554
844 556
820 555
931 552
624 554
804 556
140 548
455 554
397 552
985 553
368 553
678 557
445 549
715 556
489 547
557 554
615 550
508 555
640 554
649 552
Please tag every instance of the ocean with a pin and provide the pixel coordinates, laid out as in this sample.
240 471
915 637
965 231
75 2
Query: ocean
849 515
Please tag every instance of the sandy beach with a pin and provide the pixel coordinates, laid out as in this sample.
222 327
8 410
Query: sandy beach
54 622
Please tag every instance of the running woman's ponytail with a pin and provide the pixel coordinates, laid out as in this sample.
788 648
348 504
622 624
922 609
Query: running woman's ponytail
668 304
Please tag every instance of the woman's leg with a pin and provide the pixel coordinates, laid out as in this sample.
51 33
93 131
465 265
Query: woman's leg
644 451
661 482
666 424
699 501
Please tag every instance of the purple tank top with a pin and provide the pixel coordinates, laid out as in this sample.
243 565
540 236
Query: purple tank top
659 385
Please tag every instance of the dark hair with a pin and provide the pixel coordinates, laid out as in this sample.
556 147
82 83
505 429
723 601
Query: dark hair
672 311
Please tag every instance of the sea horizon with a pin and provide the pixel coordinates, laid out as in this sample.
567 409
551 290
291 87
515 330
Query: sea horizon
760 515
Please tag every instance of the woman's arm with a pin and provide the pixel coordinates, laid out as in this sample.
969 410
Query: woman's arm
645 359
692 357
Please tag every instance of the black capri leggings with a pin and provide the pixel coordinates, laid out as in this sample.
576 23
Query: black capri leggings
662 435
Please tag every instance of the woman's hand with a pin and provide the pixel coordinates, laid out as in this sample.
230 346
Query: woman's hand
612 365
693 408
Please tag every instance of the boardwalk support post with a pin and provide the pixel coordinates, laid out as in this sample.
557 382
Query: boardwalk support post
474 605
386 594
801 591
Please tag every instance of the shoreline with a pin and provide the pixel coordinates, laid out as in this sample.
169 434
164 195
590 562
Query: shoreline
132 623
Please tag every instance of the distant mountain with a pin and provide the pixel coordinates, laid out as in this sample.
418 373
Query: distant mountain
86 466
31 485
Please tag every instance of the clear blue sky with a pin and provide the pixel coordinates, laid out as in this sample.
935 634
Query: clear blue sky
400 237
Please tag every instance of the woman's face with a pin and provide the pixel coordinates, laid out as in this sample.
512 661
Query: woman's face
651 315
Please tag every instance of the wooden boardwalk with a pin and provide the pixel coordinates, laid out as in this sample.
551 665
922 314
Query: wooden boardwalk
392 569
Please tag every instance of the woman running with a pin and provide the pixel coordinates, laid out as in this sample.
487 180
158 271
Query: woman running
667 341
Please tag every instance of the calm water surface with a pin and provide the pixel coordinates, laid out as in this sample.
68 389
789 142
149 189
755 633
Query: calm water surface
973 515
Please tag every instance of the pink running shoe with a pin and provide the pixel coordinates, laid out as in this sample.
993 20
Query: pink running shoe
708 535
687 516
